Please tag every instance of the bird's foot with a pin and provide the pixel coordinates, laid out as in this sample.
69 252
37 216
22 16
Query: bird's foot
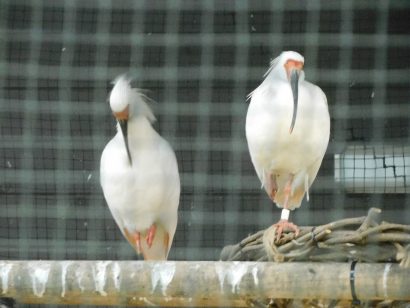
284 225
151 235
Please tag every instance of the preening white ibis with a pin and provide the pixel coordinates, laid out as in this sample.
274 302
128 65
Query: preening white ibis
139 175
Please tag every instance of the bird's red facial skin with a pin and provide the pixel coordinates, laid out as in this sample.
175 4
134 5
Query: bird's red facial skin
122 115
293 64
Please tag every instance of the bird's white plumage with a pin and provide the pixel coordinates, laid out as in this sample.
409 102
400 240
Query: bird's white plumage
147 191
123 95
273 71
275 152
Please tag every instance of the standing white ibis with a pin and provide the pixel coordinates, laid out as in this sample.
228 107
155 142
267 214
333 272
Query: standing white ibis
287 129
139 175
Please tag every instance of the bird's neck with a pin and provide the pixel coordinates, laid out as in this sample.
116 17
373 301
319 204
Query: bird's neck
140 129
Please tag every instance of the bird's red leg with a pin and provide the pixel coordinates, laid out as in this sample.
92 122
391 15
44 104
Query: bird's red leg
137 239
273 185
288 190
151 235
283 224
270 185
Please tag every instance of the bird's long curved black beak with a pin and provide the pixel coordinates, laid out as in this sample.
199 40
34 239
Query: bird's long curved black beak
124 130
294 84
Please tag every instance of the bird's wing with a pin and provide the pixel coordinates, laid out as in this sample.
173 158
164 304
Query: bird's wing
313 170
303 188
300 186
106 167
169 216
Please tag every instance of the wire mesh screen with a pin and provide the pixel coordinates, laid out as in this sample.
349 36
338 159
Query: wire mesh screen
198 60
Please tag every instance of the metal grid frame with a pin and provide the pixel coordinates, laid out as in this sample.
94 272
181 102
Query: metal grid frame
198 60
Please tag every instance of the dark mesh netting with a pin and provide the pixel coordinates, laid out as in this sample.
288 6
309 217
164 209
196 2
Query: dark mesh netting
198 61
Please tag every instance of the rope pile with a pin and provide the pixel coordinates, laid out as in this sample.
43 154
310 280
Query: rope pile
363 239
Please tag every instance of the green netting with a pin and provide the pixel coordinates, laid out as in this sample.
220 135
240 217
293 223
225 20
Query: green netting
198 60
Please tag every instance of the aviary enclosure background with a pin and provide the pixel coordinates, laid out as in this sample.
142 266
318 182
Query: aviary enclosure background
198 60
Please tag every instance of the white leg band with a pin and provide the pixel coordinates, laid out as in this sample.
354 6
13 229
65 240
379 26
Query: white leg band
307 186
285 214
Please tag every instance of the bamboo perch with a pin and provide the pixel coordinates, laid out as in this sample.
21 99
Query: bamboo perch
211 284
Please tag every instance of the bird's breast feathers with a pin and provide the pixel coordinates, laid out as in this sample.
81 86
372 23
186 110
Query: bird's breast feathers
268 120
137 194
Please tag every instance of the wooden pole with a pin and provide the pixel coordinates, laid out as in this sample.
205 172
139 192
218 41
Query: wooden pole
212 284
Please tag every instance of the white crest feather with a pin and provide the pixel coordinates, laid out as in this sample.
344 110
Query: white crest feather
123 95
281 59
